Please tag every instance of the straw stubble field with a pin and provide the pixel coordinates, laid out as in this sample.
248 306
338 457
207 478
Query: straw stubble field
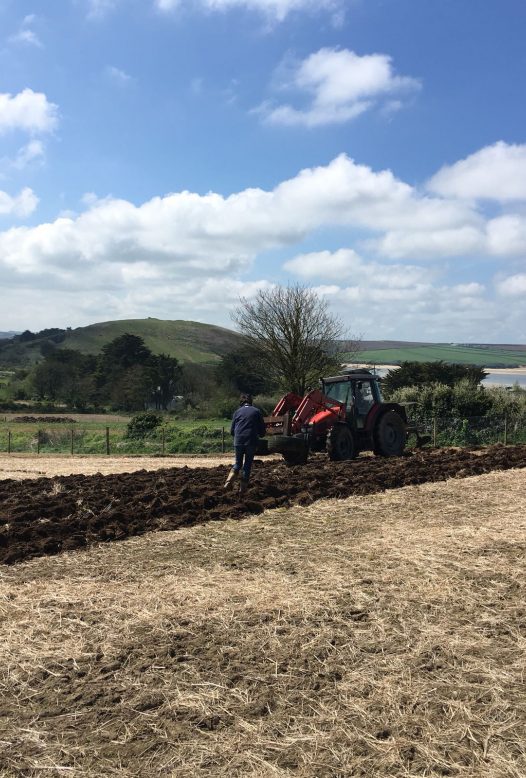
377 635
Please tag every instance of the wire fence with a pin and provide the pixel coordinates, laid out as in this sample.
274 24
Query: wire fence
114 441
474 430
79 440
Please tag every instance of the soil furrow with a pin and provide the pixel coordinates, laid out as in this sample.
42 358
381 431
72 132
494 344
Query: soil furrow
49 515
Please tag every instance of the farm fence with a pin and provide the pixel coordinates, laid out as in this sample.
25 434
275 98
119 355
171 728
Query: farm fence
111 440
83 440
474 430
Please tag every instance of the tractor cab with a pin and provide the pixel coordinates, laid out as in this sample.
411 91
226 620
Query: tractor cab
358 390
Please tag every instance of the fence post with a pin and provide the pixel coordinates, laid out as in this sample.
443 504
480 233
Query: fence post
505 430
107 440
163 438
434 431
38 441
72 433
8 441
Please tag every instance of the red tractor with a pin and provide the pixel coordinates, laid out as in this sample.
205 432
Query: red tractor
345 416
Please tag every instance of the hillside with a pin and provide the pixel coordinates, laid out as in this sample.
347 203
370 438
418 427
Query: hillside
188 341
191 341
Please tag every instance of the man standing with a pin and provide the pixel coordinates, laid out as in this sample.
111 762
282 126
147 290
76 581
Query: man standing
247 427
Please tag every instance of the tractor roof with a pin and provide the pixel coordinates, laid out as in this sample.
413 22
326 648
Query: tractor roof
352 375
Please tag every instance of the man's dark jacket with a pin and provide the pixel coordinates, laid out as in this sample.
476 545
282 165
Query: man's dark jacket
247 426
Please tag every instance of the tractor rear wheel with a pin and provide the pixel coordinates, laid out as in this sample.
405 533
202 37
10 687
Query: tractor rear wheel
340 443
390 435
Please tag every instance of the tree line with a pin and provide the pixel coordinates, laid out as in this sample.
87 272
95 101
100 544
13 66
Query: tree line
126 375
289 339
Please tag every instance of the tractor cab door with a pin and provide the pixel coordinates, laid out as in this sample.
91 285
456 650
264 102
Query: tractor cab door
364 400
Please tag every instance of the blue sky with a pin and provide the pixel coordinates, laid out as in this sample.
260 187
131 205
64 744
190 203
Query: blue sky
166 157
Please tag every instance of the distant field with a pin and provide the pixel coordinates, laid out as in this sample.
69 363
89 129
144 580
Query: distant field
483 356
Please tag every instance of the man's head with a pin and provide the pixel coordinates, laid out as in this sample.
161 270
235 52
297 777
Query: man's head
245 399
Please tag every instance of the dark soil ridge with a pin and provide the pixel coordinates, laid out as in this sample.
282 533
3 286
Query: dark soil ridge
49 515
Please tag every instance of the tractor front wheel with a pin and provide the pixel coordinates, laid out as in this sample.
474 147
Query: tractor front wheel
340 443
390 435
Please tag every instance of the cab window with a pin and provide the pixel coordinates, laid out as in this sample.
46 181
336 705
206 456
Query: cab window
338 390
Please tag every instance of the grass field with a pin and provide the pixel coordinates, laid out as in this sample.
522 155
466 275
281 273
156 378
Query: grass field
469 355
374 636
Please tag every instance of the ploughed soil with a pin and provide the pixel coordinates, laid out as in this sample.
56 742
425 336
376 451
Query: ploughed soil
49 515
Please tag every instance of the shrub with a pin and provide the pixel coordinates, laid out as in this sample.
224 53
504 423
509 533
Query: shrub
143 424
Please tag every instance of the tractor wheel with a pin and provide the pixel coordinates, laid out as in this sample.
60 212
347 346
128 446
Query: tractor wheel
340 443
390 435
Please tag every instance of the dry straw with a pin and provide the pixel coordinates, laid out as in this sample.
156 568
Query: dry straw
373 636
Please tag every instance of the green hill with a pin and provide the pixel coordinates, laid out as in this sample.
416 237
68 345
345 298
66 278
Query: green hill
191 341
188 341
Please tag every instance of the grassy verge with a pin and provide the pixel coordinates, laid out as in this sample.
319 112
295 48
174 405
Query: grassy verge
91 435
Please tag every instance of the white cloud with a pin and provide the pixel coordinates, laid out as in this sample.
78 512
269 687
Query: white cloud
21 205
495 172
29 111
431 243
99 8
346 264
25 34
188 253
212 233
507 235
513 286
117 76
31 154
421 310
340 85
273 9
28 154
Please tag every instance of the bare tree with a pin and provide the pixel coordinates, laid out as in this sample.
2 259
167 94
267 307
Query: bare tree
293 331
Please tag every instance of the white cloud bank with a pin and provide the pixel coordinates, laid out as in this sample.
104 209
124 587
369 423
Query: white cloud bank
339 85
273 9
189 253
212 233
